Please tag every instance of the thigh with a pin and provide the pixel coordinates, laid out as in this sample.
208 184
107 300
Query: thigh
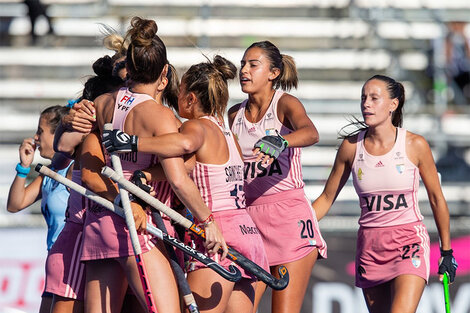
210 290
259 292
66 305
290 299
242 297
161 279
406 293
378 298
105 286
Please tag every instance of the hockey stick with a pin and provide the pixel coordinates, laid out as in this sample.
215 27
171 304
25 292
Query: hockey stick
234 275
445 282
126 204
182 282
237 257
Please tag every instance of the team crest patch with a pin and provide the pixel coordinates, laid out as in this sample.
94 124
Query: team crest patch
416 262
400 168
271 132
359 174
312 242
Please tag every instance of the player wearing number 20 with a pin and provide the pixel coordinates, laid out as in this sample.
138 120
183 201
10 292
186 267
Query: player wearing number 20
386 162
218 173
272 126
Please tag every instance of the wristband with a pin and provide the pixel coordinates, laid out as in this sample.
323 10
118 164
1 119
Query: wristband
446 252
22 171
207 221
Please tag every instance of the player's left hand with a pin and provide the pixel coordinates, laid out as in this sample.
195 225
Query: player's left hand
117 140
269 148
447 264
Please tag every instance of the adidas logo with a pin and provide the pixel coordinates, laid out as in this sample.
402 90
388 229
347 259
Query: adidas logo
379 164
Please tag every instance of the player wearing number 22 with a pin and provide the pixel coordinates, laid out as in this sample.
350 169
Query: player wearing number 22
276 201
218 173
386 161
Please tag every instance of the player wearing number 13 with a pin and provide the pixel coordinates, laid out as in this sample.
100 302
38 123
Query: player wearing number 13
386 161
218 173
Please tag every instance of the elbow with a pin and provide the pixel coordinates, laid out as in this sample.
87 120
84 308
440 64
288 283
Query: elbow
315 138
64 148
187 146
12 208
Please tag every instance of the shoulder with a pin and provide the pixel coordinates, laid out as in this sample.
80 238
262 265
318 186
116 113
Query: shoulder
150 118
347 149
232 113
289 100
234 110
104 99
416 142
417 148
194 126
104 105
289 104
149 110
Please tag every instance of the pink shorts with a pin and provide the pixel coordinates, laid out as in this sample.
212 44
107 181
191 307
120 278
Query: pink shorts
240 233
105 235
384 253
65 274
288 226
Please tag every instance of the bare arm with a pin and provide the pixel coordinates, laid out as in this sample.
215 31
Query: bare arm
305 133
74 127
338 177
92 160
157 173
188 140
91 163
420 152
19 196
184 186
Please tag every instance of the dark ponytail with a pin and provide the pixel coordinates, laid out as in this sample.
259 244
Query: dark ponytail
396 91
170 93
103 82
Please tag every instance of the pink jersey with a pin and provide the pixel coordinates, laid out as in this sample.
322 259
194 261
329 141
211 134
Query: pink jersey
387 185
105 234
131 161
221 185
77 203
283 174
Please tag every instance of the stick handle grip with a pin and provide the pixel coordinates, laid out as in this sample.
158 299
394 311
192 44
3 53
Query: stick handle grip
126 204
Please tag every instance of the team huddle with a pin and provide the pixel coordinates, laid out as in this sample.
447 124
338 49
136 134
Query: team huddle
216 213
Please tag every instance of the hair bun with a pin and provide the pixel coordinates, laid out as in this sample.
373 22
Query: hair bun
142 31
225 67
103 67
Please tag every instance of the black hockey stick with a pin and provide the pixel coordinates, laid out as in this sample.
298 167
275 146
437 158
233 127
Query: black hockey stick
234 274
237 257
